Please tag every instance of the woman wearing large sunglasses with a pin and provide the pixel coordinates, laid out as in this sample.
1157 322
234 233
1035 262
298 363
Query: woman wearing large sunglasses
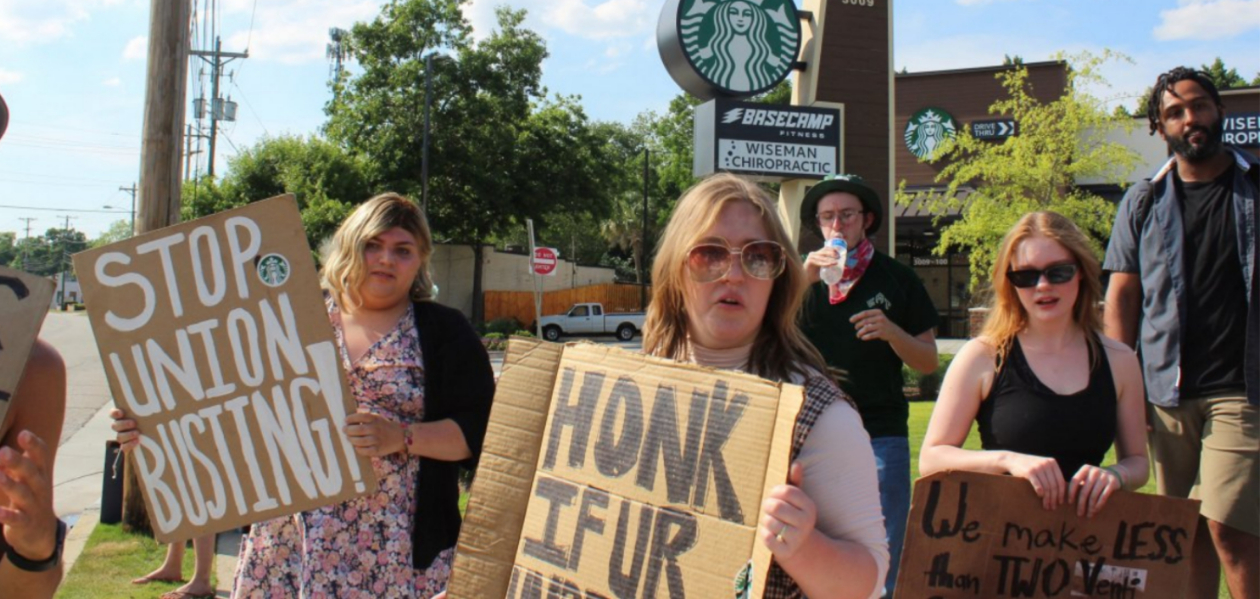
726 294
1050 393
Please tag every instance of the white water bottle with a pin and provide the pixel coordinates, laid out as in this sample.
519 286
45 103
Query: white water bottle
832 274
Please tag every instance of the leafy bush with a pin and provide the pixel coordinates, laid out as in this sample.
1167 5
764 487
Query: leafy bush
927 384
494 341
502 326
523 333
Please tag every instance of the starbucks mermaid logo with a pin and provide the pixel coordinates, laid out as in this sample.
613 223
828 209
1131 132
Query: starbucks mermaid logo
742 46
928 130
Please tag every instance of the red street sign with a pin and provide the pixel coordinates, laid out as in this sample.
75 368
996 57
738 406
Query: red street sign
544 261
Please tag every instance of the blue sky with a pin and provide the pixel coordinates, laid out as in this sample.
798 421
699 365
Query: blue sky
72 71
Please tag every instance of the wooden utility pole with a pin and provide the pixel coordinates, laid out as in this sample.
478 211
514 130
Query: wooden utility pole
160 173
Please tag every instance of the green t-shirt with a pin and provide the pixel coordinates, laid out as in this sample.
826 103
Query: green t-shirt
872 370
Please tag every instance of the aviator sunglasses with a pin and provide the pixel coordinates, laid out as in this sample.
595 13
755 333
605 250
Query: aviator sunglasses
1055 275
708 262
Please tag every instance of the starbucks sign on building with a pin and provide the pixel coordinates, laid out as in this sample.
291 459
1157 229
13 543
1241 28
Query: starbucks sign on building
728 48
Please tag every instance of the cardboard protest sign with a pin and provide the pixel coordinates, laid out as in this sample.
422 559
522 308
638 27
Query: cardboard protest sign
611 474
215 338
982 535
24 300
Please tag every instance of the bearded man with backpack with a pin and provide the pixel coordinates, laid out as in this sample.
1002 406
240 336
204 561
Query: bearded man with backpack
1183 292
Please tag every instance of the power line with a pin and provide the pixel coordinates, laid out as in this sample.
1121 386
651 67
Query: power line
64 209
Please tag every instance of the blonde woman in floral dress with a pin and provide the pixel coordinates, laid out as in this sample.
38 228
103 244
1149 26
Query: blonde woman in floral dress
424 385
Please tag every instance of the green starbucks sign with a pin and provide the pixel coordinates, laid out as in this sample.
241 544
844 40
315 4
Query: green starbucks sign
728 48
927 131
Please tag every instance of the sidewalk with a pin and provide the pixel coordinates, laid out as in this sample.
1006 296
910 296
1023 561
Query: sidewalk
81 457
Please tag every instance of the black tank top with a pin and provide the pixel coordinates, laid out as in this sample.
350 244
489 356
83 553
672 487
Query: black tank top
1023 415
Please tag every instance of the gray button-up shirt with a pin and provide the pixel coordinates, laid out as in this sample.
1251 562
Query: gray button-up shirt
1150 242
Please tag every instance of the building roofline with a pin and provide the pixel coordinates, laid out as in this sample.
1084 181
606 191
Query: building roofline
1045 63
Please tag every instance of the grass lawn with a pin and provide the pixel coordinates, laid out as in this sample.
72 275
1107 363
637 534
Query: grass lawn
111 559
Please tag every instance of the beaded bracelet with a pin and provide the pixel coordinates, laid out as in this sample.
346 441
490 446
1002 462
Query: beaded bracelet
1118 474
409 439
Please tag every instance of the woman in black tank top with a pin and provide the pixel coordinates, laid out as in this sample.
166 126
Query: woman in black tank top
1049 392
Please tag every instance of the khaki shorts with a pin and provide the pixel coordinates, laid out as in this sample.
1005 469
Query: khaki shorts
1209 449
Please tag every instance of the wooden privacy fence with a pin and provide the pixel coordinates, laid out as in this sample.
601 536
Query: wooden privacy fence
616 297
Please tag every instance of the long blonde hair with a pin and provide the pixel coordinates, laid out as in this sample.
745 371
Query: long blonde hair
344 270
1007 316
780 349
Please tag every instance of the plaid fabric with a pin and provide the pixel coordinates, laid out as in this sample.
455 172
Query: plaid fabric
820 392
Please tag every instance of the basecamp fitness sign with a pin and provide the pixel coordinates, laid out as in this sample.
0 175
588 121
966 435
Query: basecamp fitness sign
728 48
766 141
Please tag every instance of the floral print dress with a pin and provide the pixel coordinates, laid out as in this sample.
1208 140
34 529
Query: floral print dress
362 547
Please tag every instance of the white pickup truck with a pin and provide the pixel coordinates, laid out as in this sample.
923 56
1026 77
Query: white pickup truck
590 319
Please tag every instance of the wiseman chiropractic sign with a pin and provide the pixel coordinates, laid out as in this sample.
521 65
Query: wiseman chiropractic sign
215 339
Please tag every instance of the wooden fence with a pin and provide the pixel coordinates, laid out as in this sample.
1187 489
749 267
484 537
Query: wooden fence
616 297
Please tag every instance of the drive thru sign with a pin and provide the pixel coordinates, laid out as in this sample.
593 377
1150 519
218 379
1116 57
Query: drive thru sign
544 262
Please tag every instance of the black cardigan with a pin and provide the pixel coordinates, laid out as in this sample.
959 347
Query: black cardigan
459 385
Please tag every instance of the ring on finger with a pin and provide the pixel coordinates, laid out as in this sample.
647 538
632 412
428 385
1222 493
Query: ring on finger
779 537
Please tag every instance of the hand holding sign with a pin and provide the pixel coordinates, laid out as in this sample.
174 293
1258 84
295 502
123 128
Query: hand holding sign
373 435
1090 489
26 478
788 516
1043 473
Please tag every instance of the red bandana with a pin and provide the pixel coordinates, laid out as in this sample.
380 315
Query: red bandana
854 268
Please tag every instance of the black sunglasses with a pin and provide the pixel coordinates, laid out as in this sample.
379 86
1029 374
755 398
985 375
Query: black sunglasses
708 262
1055 275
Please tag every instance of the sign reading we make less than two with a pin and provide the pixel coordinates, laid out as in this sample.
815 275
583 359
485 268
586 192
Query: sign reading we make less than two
607 473
982 535
215 339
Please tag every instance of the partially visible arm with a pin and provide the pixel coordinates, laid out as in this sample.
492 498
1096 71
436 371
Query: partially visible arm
1123 307
26 461
918 352
968 380
844 552
1131 459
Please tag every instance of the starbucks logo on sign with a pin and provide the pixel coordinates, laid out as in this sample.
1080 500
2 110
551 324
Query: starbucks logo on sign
927 131
737 47
273 270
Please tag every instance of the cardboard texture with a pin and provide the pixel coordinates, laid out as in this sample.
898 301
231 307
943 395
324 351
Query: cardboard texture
215 338
982 535
607 473
24 301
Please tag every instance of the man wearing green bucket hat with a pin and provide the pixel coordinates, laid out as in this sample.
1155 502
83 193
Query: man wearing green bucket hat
877 317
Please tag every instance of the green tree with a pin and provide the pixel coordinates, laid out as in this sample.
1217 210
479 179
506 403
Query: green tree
118 231
49 254
1223 78
326 180
1059 143
8 248
500 150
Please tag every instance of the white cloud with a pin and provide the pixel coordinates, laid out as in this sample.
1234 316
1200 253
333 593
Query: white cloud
137 48
291 31
28 22
1208 19
10 77
112 82
589 19
618 49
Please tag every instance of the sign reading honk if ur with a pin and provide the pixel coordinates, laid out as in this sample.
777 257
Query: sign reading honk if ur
215 339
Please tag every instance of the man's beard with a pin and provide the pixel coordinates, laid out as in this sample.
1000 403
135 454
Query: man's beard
1211 146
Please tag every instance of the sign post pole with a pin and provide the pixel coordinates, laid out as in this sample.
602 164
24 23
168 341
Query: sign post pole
533 273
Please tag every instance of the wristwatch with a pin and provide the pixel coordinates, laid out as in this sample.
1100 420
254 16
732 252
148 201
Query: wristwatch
43 565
